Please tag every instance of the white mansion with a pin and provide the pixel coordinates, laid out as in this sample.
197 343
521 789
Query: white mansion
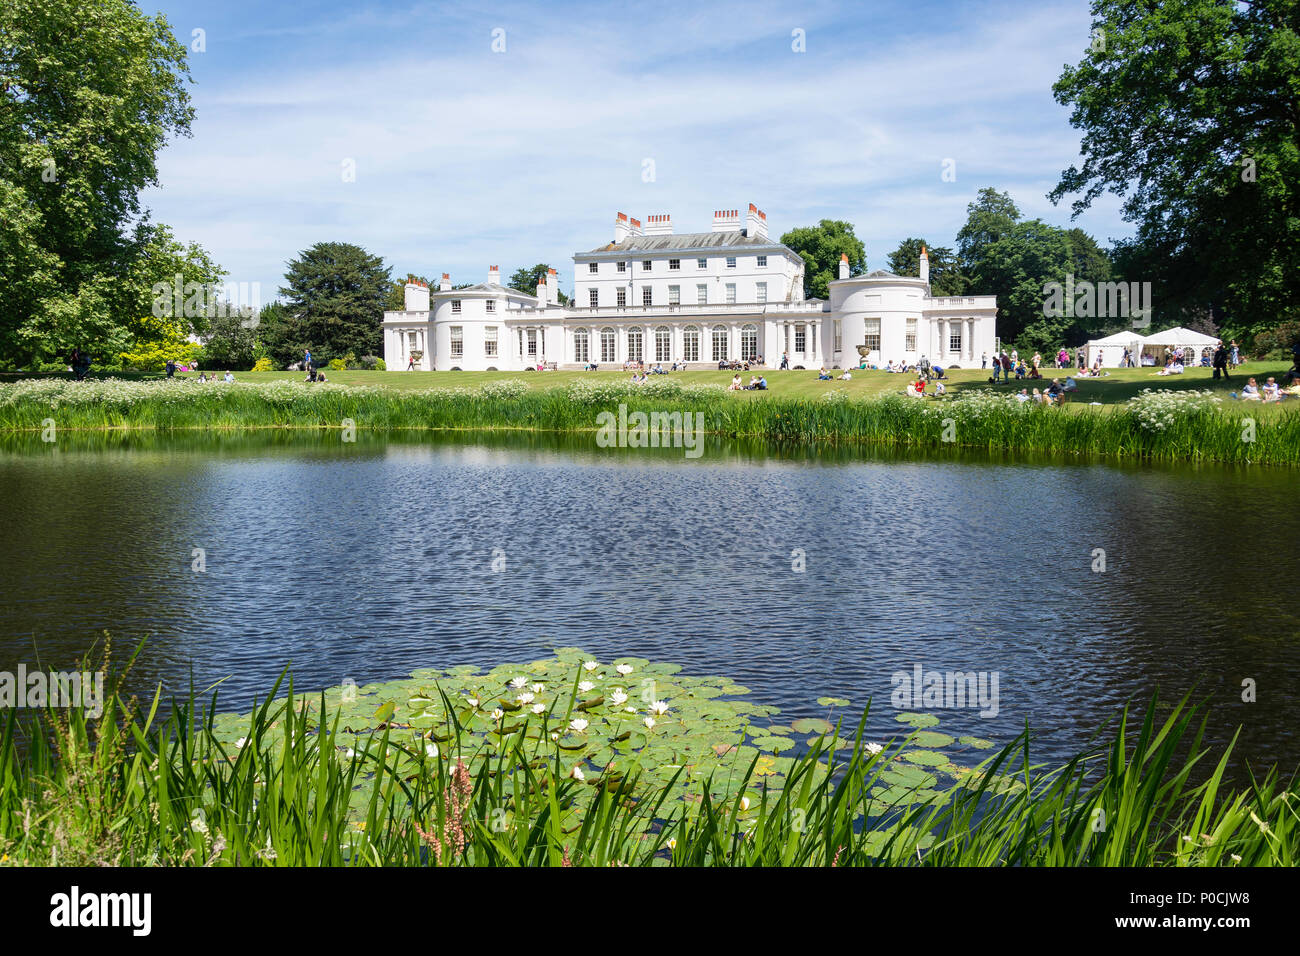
698 298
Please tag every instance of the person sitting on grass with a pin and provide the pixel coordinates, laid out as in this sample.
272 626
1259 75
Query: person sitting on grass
1249 392
847 376
1055 392
1023 395
1173 368
735 384
823 375
939 389
916 389
228 377
1271 392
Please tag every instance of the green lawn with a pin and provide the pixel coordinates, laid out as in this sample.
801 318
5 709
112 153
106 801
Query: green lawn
1119 386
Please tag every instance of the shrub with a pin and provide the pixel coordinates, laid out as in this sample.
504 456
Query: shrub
262 365
338 365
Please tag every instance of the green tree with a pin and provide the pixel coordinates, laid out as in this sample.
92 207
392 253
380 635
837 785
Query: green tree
525 280
1188 112
821 246
395 299
945 273
334 295
990 217
231 342
90 90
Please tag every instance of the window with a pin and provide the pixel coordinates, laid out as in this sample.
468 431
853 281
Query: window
532 341
645 265
719 343
749 342
455 306
581 346
701 294
647 295
412 341
761 291
873 335
674 264
663 344
701 263
622 266
593 267
800 338
838 329
909 336
621 295
731 262
731 293
690 344
593 297
490 305
607 345
674 295
635 343
457 341
490 340
954 339
762 262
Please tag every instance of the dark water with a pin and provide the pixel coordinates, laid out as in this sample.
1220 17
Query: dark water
366 561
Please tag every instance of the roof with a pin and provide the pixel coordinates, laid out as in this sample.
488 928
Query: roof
489 287
1126 337
689 242
1180 336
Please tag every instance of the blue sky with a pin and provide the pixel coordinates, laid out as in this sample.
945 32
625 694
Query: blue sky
466 157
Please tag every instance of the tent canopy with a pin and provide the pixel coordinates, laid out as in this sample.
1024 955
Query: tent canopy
1180 336
1120 339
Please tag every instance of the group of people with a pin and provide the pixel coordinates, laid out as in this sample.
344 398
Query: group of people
1054 394
1271 391
756 383
744 365
825 376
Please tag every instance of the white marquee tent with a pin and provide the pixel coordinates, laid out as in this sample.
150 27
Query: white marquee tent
1111 348
1192 343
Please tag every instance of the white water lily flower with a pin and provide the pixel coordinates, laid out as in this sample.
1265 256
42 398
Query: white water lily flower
630 710
518 682
241 741
431 750
473 701
744 803
672 843
539 708
525 698
538 688
555 736
586 686
590 665
649 723
498 713
874 748
659 707
624 669
618 698
578 724
576 773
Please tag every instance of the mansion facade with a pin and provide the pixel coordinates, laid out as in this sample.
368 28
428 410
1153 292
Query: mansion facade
699 298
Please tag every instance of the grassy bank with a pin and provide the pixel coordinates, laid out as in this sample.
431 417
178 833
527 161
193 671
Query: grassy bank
1168 425
562 762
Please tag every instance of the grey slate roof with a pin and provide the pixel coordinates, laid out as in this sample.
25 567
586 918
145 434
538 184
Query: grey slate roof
689 242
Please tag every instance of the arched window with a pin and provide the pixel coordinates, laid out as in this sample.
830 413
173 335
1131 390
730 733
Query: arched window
581 346
635 344
690 344
749 342
663 344
719 343
607 345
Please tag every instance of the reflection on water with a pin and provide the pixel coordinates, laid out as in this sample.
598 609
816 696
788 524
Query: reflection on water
368 560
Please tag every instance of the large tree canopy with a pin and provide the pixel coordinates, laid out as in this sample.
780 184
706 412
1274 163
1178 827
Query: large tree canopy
525 280
89 92
1189 111
821 246
334 302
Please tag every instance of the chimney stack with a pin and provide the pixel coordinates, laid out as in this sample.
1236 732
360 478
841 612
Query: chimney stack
620 227
658 225
844 265
635 226
494 275
552 288
925 265
417 296
756 223
726 220
541 291
445 284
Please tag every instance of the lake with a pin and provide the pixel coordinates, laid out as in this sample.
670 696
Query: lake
798 572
